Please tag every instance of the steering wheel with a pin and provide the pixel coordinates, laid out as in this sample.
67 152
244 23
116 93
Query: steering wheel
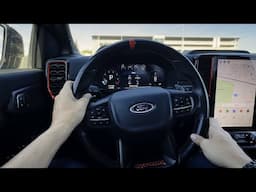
142 114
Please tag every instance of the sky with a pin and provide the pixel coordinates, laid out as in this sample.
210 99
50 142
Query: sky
82 32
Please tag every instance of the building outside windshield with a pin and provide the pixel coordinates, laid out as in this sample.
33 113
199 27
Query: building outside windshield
182 37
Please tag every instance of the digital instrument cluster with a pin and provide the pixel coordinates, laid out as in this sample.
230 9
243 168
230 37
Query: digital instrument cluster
124 76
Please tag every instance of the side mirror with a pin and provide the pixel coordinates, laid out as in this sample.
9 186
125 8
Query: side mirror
11 47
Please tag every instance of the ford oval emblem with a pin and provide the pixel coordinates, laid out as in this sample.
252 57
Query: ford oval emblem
142 107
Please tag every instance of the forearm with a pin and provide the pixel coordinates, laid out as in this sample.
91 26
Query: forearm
40 152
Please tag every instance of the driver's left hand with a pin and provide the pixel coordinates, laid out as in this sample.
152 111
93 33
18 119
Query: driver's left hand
68 111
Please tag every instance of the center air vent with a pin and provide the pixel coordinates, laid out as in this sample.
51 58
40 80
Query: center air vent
56 76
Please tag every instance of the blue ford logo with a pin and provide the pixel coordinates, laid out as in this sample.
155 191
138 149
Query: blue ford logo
142 107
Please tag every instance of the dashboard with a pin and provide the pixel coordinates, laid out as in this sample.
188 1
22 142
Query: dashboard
229 79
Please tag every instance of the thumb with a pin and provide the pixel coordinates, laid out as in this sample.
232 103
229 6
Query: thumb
86 98
197 139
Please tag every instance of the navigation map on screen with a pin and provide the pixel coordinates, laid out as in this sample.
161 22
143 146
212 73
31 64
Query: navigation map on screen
235 92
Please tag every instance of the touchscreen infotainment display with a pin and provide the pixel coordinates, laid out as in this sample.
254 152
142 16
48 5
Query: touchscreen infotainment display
235 92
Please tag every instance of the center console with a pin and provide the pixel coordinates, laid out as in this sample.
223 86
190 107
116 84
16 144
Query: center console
230 78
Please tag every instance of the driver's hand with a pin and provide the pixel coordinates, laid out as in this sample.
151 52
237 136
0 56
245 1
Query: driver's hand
68 111
220 148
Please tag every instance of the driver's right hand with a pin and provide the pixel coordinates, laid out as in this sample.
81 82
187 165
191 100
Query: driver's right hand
220 148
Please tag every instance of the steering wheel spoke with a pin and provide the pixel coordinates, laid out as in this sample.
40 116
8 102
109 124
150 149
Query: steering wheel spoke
183 103
98 116
170 154
121 153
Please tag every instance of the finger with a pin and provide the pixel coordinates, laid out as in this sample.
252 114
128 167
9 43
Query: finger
197 139
67 88
214 122
215 127
85 99
67 84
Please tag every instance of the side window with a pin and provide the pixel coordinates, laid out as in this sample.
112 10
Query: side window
1 43
14 46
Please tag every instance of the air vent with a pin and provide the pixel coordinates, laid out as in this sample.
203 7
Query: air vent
56 76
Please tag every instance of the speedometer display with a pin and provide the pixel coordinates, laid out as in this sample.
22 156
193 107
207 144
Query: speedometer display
134 76
124 76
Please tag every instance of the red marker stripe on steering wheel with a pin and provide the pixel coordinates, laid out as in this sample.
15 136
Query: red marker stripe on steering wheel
132 43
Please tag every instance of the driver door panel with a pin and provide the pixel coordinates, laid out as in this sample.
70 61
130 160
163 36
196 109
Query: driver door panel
24 109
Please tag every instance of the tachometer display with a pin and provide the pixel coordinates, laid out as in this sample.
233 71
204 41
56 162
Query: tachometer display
156 78
133 75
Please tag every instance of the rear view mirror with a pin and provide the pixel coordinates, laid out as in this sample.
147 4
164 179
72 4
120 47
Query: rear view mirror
11 47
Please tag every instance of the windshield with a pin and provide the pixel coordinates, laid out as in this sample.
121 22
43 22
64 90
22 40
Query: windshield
182 37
